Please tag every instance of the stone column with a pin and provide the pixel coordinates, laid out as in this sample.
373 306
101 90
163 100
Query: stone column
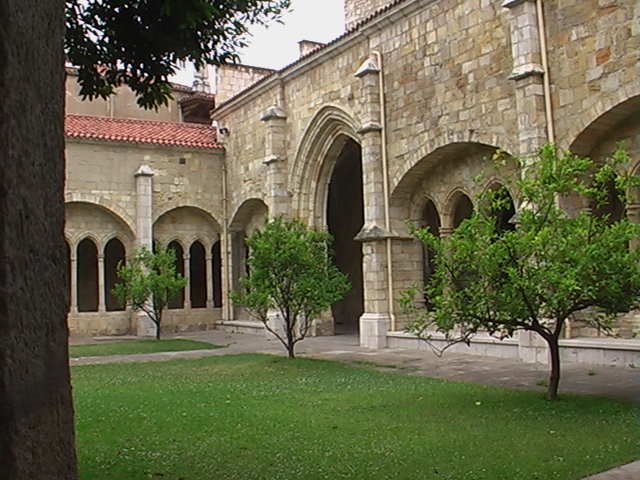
187 277
208 260
144 234
101 302
225 258
633 214
375 320
277 199
73 307
527 74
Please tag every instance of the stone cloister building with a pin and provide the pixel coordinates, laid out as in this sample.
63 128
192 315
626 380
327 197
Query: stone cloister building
393 121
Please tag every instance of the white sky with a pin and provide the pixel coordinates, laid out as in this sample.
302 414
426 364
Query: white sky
277 45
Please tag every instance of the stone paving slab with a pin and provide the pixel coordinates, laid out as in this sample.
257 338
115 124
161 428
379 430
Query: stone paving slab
626 472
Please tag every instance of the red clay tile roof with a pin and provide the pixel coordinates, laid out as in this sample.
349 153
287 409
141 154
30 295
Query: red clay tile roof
141 131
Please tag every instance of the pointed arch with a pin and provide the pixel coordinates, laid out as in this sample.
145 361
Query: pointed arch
325 136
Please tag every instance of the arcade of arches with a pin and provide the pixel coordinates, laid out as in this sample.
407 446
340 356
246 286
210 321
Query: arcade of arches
395 122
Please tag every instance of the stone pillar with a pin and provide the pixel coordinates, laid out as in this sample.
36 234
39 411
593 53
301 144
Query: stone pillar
36 410
101 302
73 307
187 277
375 320
633 214
527 74
144 234
277 199
208 260
225 258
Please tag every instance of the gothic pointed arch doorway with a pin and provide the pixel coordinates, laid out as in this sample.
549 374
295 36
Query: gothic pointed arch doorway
345 217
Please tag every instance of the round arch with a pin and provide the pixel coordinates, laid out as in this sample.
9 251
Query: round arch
111 207
604 117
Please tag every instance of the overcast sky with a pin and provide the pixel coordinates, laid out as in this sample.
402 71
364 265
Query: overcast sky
277 45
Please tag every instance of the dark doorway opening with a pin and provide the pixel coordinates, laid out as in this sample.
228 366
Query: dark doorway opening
345 217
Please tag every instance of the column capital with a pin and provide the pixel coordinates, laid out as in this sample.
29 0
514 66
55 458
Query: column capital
373 233
144 171
368 67
274 112
514 3
369 127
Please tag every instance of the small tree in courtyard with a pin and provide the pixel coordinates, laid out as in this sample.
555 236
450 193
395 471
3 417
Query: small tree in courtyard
291 274
149 282
535 277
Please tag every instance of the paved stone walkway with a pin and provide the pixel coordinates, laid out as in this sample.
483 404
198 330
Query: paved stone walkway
621 383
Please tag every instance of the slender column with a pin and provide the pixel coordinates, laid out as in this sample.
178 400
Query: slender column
225 258
101 302
633 214
144 234
375 320
74 284
187 276
208 260
275 120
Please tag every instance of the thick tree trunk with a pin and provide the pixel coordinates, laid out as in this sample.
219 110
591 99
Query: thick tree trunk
36 411
554 359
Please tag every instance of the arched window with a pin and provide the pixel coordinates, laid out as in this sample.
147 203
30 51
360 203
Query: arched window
113 254
502 208
216 268
430 220
462 210
87 276
198 275
178 301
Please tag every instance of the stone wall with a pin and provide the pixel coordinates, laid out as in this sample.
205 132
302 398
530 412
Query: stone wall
233 79
187 206
121 105
462 78
357 10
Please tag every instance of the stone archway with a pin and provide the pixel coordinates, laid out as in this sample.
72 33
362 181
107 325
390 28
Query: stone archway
345 217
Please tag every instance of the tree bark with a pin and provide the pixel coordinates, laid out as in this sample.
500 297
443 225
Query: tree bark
554 358
36 411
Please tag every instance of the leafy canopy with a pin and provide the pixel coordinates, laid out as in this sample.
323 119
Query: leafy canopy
553 265
141 42
290 272
149 281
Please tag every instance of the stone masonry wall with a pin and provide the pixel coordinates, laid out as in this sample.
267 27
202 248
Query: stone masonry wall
451 90
233 79
101 204
357 10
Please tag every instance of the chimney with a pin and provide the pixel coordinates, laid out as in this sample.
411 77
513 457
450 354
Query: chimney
308 46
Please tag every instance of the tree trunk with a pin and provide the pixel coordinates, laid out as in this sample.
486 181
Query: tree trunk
554 376
36 410
290 350
159 317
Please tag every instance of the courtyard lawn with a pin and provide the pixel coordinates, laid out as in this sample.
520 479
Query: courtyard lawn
265 417
130 347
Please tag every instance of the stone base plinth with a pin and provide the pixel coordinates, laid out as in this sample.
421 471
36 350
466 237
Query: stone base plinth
373 330
145 326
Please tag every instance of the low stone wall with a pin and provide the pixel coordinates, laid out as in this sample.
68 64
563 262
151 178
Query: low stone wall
530 349
124 323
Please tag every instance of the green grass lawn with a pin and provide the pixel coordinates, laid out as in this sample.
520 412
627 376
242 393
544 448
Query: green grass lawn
264 417
128 347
